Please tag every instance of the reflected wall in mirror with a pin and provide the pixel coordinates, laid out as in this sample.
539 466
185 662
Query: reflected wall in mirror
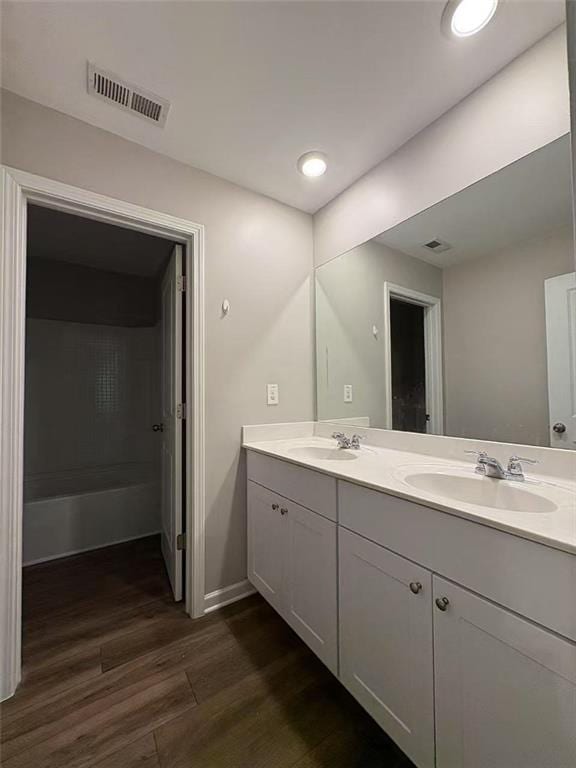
461 320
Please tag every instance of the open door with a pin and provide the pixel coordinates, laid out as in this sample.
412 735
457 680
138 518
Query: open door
561 349
171 394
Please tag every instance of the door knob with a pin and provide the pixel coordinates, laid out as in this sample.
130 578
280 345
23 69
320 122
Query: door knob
559 428
158 427
442 603
415 587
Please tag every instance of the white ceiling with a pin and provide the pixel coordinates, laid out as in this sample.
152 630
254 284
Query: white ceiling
505 208
253 85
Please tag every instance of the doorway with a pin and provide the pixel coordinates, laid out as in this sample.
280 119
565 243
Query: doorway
19 191
408 367
103 448
412 340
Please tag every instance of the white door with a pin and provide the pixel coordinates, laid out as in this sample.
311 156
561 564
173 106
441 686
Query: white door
311 579
266 544
505 688
561 347
386 642
171 394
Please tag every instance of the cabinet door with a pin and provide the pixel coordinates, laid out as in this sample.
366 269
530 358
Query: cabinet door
311 581
266 544
505 688
386 642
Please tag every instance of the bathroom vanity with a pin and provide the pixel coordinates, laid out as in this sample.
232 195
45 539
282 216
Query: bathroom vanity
453 622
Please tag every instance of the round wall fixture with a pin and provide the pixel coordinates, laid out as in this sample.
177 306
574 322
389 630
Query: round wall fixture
312 164
464 18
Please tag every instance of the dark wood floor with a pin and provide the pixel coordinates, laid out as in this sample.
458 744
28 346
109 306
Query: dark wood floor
116 676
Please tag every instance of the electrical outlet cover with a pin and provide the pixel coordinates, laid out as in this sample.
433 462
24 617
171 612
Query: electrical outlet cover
272 394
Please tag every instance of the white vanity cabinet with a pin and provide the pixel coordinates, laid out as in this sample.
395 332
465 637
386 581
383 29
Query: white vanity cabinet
386 642
459 639
292 563
505 687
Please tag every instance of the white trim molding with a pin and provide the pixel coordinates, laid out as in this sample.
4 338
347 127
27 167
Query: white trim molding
12 330
433 351
221 597
17 189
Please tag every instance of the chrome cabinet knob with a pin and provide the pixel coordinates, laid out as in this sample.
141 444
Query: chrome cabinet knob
275 507
442 603
158 427
559 428
415 587
283 511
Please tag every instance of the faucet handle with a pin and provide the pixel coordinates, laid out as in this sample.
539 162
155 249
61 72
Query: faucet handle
481 457
338 435
521 458
515 470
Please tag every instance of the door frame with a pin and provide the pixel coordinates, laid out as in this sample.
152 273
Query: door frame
433 354
17 189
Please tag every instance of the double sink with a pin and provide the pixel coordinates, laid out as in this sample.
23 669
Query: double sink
459 484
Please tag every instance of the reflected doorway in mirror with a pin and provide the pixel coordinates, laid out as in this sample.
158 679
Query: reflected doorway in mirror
432 342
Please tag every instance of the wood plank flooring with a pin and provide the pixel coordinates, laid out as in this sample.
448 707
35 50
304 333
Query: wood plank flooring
117 676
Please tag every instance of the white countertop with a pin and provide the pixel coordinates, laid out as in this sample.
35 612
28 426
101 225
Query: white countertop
384 469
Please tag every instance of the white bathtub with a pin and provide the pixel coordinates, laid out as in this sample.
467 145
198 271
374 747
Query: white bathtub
88 509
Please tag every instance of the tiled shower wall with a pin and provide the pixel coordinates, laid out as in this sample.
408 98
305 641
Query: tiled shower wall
92 396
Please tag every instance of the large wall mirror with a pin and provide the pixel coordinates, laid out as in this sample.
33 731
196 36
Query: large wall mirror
461 320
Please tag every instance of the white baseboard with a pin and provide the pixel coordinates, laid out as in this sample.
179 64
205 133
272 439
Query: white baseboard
221 597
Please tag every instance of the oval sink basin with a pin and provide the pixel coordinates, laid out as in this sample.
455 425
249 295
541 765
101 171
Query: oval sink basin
325 454
482 491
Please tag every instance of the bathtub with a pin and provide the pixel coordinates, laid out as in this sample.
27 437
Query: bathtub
67 513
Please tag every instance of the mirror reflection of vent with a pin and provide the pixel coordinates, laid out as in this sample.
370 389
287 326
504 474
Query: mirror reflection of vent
437 246
131 98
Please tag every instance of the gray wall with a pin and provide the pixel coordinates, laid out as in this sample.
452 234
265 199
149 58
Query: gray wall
349 301
525 106
495 378
58 290
259 256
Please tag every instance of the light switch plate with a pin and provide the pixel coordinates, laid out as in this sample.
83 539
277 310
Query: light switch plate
273 397
347 393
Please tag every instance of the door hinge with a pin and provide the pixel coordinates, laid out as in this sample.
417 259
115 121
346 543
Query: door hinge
181 542
181 411
182 283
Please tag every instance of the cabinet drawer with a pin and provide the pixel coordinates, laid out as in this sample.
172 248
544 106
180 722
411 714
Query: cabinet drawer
530 578
304 486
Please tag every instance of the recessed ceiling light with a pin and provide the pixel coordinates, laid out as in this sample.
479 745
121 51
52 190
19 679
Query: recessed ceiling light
463 18
312 164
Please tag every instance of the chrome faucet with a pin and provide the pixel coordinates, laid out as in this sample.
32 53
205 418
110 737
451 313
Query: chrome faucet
491 467
347 442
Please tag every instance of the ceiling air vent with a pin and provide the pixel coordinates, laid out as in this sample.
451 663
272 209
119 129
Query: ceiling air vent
437 246
132 98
